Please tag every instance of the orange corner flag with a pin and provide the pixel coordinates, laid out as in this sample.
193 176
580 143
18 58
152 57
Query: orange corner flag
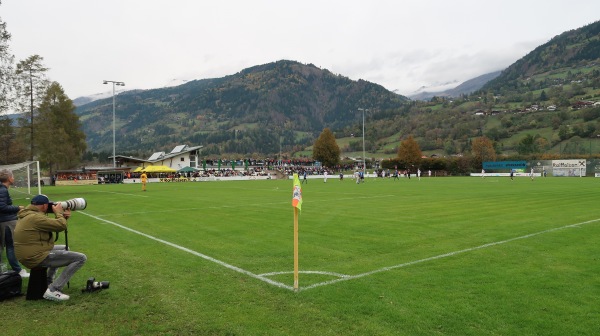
297 193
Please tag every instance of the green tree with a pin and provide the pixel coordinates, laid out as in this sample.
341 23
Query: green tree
563 132
409 152
326 149
532 144
449 147
61 142
31 84
591 114
527 145
6 71
11 150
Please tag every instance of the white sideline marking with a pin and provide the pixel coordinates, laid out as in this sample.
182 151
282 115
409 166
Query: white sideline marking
204 256
342 277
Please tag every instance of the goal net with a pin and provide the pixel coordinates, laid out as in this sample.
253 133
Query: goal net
28 179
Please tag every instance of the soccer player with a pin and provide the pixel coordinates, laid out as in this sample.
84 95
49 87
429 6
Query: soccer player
144 178
531 174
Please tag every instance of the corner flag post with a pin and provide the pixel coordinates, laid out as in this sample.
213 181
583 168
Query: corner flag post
297 204
295 248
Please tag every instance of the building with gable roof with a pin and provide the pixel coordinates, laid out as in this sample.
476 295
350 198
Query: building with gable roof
180 157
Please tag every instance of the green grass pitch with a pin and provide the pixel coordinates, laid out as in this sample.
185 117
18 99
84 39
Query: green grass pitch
439 256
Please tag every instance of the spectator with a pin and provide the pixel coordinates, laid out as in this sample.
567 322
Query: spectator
8 221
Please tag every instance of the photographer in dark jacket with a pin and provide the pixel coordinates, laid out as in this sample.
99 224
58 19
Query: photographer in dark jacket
34 244
8 221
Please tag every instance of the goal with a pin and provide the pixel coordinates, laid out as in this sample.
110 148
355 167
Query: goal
27 177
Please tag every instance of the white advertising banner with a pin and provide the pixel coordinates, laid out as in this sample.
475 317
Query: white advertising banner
574 168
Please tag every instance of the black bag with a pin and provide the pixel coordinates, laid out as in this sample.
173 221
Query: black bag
10 285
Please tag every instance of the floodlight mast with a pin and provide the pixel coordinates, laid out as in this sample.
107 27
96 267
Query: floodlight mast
114 108
363 139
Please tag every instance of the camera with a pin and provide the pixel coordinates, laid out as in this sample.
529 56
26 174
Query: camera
72 204
92 285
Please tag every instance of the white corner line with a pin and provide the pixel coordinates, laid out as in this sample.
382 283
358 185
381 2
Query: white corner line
351 277
341 277
204 256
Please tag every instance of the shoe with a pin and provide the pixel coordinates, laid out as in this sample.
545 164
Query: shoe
55 296
24 274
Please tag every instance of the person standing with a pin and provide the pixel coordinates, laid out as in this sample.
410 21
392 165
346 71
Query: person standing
512 172
8 221
531 174
325 176
144 179
482 173
34 244
304 177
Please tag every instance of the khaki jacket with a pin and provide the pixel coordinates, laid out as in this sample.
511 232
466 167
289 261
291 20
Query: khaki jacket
33 238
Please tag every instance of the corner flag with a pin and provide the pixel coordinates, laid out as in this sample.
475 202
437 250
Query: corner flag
297 193
297 204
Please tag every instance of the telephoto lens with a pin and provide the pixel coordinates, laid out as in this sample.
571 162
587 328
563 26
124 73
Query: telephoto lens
74 204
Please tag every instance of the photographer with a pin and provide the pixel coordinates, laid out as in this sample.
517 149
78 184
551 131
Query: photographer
8 221
34 244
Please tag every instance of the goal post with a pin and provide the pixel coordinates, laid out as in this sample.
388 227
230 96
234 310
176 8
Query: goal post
27 175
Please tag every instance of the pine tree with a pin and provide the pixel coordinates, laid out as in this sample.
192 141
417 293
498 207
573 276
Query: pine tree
61 141
6 70
11 150
31 84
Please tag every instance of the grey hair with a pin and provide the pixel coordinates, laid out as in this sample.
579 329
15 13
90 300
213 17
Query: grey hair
5 174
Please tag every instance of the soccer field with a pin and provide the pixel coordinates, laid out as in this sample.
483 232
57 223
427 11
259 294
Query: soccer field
442 256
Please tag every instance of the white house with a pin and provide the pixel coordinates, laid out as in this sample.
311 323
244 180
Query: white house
181 156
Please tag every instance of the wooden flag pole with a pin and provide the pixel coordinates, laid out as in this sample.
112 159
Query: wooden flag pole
295 248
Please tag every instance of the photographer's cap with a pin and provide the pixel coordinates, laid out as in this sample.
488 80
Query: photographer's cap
40 200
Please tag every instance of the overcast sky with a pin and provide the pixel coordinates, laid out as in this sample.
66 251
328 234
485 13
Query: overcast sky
401 45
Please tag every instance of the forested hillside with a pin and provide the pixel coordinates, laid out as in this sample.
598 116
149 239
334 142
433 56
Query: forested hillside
546 102
543 103
254 111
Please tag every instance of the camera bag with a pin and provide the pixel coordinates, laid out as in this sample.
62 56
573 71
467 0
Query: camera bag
10 285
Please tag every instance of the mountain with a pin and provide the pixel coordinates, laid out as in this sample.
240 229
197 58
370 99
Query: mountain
571 50
257 110
79 101
283 106
464 88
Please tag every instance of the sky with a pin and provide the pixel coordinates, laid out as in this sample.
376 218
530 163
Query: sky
403 45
